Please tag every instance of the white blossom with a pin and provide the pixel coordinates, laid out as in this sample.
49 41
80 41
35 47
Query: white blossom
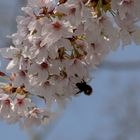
56 46
15 55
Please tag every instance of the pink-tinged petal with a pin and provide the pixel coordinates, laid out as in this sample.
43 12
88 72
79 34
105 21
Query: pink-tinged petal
136 36
51 38
3 96
36 3
9 52
13 65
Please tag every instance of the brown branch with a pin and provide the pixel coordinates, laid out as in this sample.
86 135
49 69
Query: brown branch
119 66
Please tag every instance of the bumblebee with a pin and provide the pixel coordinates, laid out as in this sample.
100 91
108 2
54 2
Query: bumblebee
84 87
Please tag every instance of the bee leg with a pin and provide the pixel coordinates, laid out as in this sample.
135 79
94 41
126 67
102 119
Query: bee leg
78 92
83 81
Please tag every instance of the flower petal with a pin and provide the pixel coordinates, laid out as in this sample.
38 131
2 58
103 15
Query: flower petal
12 66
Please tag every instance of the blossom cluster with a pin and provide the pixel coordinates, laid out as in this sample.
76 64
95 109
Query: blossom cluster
58 44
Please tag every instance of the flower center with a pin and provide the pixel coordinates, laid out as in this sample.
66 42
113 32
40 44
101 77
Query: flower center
44 65
56 25
7 102
72 11
19 101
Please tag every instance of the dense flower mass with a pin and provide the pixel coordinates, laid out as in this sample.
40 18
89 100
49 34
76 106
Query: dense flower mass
57 45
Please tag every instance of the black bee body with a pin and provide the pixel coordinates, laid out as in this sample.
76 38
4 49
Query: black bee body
84 87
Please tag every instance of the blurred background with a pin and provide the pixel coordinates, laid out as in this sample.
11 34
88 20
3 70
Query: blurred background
112 112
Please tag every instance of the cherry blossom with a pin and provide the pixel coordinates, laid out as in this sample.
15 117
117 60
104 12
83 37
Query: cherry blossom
22 104
5 106
54 31
58 43
15 55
